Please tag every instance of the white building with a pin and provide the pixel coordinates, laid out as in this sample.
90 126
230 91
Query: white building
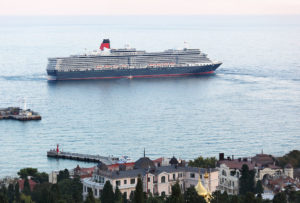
263 165
156 180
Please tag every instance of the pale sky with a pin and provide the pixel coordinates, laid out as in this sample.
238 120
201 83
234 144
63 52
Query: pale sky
149 7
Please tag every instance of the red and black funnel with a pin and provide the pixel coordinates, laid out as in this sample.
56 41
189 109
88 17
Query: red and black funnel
105 44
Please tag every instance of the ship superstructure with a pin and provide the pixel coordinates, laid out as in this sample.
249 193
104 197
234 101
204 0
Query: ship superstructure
129 63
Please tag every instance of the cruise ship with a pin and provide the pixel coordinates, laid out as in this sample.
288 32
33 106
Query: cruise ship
107 63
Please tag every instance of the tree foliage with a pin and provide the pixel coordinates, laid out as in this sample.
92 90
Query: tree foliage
26 188
62 175
246 181
201 162
280 198
139 193
176 195
107 195
35 175
90 197
191 196
259 187
118 196
293 157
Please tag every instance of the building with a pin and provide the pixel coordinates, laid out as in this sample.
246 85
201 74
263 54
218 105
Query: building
31 184
156 179
263 165
53 177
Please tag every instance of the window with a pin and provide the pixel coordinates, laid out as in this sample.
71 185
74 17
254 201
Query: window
232 184
238 174
125 182
224 173
125 194
163 179
163 193
101 179
84 188
180 175
149 180
201 176
174 176
118 183
132 181
192 175
96 192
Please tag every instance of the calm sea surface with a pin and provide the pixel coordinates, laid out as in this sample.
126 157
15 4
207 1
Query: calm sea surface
251 103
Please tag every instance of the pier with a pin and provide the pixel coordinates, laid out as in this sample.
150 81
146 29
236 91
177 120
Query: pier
17 113
56 153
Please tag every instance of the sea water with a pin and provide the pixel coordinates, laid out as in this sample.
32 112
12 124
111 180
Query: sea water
251 104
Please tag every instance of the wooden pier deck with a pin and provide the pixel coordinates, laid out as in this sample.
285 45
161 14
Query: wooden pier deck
82 157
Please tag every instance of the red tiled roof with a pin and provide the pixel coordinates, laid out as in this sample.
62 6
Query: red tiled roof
117 165
236 164
87 170
159 160
31 184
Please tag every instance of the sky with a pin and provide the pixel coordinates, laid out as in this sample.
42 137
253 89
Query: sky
149 7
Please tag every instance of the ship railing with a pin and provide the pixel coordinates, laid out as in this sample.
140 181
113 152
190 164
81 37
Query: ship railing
115 67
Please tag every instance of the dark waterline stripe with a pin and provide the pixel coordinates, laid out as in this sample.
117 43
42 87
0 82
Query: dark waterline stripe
137 76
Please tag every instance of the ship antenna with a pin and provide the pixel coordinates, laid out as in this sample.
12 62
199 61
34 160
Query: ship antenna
186 45
25 105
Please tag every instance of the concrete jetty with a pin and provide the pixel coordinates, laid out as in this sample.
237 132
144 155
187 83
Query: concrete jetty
56 153
17 113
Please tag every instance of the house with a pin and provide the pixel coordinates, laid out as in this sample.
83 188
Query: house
31 184
263 165
156 179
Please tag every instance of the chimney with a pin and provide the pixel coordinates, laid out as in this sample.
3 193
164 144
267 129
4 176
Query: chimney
240 159
221 156
105 44
232 157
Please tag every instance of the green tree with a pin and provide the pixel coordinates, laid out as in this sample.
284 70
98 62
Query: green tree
54 195
62 175
26 188
246 181
249 198
17 192
219 197
90 197
191 196
155 199
3 194
107 195
25 198
293 157
176 196
280 198
118 196
259 187
124 198
3 198
41 193
11 193
41 177
23 173
201 162
70 190
139 193
235 199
